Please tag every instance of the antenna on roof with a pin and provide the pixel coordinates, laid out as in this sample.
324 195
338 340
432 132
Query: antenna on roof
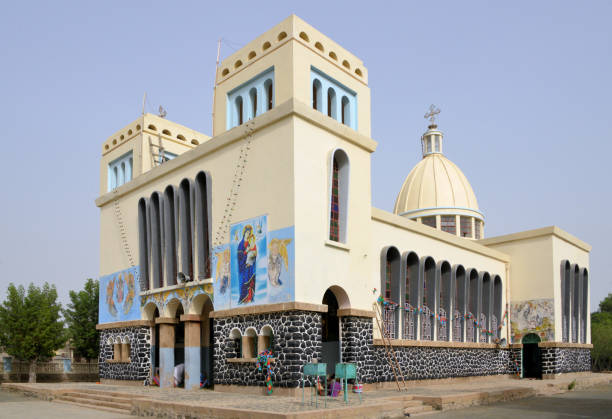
215 84
162 112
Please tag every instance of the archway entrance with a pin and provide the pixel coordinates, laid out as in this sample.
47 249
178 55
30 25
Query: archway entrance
532 358
207 347
330 326
155 349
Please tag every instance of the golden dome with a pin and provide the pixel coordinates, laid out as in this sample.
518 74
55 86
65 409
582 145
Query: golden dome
436 186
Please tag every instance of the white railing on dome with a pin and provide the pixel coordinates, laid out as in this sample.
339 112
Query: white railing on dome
409 323
389 321
443 325
426 324
483 326
457 327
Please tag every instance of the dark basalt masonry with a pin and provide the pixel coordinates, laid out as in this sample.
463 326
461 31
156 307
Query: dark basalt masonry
297 340
139 367
562 360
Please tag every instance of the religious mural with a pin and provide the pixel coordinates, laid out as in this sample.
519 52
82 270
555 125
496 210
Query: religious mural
119 299
533 316
256 267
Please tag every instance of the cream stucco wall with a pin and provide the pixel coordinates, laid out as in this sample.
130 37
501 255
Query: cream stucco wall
535 270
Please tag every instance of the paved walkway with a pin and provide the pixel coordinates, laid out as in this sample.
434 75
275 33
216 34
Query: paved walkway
16 406
595 402
448 394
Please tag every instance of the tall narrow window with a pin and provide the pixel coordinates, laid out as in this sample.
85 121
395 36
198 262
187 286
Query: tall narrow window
411 295
477 230
565 299
331 103
253 97
448 224
346 111
239 111
316 95
473 307
185 227
334 227
390 283
156 239
143 244
459 303
584 305
269 94
437 149
202 224
338 195
428 298
485 307
170 201
497 307
443 271
428 142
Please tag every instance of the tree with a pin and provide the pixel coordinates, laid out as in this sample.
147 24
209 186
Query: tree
82 317
601 335
30 325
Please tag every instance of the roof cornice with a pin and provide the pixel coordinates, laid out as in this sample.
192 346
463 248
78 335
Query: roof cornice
538 232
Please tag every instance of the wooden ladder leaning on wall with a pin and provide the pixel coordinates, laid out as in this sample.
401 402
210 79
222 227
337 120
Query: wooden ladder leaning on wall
389 352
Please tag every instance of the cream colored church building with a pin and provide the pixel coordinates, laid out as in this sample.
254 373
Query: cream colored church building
262 236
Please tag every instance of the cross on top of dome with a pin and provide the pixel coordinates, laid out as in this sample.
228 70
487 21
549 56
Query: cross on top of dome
431 115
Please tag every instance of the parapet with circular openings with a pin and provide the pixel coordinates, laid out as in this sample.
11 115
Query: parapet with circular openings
333 55
282 36
252 55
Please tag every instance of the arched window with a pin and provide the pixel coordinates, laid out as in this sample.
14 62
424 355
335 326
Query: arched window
575 295
170 230
269 88
443 272
202 223
115 180
390 286
346 111
339 184
185 228
130 169
459 294
331 103
143 244
473 306
411 292
239 111
585 303
496 316
565 299
485 306
253 98
428 297
317 101
156 239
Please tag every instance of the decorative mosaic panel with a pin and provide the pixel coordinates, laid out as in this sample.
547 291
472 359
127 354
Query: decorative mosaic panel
533 316
119 299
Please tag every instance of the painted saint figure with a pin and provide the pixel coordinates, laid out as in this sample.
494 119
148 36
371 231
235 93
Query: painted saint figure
247 266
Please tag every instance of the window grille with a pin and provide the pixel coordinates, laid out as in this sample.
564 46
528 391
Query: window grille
430 221
470 328
334 227
457 327
442 325
448 223
388 280
426 324
477 230
466 226
483 324
409 324
494 326
389 321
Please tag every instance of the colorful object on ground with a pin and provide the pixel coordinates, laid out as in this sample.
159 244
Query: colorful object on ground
263 361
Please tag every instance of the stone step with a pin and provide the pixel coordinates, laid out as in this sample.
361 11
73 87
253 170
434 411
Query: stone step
111 393
99 396
125 407
416 407
89 406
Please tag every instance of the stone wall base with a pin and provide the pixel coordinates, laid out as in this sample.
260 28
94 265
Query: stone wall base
138 383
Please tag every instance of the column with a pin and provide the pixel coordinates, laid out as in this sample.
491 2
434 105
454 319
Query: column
192 351
166 350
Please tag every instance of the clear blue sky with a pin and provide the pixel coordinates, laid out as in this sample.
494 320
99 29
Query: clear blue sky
524 88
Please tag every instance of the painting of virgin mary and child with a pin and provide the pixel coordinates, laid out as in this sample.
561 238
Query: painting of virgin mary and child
248 248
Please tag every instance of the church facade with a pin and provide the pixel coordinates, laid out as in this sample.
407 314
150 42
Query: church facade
263 238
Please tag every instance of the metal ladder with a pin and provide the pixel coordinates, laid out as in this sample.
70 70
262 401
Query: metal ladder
389 352
123 232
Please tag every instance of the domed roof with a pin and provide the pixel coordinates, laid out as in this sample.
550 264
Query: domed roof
436 185
435 182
